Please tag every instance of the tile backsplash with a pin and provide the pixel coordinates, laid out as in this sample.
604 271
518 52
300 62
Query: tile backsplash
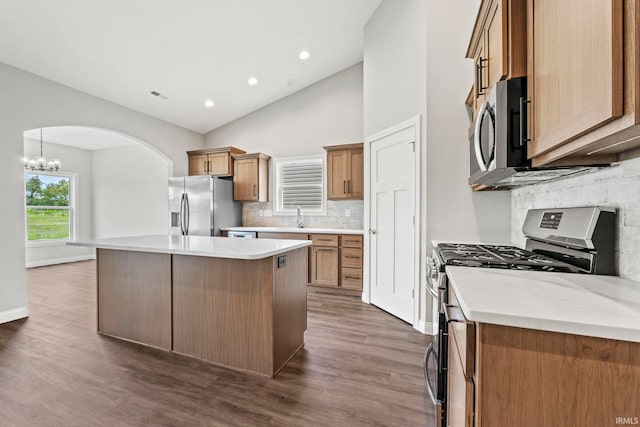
335 217
618 187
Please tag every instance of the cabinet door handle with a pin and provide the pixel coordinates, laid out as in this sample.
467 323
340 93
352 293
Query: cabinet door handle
524 138
254 190
479 67
205 166
344 187
349 186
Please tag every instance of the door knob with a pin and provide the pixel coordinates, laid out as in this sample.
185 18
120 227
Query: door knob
372 231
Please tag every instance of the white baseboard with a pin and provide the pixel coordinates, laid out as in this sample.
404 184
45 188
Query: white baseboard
425 327
15 314
44 262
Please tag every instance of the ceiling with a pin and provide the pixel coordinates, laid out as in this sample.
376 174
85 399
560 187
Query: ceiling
190 51
81 137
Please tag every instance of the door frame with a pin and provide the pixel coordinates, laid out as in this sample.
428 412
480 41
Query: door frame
415 123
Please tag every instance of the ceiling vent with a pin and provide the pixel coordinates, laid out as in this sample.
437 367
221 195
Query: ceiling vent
158 94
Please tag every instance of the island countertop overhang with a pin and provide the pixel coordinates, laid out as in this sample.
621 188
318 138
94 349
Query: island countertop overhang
204 246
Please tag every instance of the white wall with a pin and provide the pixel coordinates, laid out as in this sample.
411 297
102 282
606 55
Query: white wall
326 113
617 187
77 161
454 212
414 64
30 102
130 187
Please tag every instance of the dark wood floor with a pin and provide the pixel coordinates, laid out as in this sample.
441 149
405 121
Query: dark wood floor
360 366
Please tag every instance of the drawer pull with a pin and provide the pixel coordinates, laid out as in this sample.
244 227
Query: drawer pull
352 277
351 256
325 240
453 313
324 250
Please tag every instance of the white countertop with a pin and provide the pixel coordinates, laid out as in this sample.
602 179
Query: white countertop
591 305
217 247
296 230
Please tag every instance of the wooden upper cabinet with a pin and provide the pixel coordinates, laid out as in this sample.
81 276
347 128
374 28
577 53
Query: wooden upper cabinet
345 172
576 73
197 164
216 162
251 177
498 44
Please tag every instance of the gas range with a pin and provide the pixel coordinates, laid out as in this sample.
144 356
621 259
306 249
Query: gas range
567 240
497 256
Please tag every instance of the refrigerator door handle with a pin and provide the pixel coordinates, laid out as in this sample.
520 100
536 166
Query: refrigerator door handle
181 217
187 213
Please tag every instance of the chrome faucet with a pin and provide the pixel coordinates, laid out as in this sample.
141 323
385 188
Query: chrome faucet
299 223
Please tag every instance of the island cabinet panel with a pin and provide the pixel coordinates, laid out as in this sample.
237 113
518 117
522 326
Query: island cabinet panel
244 314
222 311
289 306
135 303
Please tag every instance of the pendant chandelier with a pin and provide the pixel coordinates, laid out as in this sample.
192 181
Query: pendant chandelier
40 162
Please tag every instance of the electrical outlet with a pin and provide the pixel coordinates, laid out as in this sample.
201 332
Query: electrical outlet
347 212
268 212
282 261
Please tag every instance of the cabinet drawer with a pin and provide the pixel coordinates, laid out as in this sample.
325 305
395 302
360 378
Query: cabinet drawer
351 257
351 278
463 333
324 240
349 241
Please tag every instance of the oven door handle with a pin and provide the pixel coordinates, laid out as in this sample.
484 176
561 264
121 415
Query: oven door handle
431 291
430 353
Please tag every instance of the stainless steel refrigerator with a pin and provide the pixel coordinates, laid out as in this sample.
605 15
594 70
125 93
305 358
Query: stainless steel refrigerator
201 205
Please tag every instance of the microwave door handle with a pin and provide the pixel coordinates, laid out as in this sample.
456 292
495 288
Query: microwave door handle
476 136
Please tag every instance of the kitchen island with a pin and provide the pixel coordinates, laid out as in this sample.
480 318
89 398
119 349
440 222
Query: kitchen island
240 303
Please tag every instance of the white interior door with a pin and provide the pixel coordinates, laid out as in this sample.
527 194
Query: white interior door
392 235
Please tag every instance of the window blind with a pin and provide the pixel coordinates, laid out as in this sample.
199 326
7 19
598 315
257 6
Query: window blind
301 184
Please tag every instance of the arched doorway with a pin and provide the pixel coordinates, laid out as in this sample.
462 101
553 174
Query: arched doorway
109 184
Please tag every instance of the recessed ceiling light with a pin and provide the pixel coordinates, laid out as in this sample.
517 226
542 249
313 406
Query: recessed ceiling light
252 81
209 103
304 55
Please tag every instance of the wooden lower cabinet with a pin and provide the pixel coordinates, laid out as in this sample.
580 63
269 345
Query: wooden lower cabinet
533 378
334 260
460 393
324 266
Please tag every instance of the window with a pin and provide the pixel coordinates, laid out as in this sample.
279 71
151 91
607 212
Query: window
299 182
49 206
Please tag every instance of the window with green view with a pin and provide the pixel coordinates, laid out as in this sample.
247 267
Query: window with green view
48 203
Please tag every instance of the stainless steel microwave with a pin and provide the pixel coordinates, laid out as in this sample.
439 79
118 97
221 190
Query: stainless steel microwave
498 141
